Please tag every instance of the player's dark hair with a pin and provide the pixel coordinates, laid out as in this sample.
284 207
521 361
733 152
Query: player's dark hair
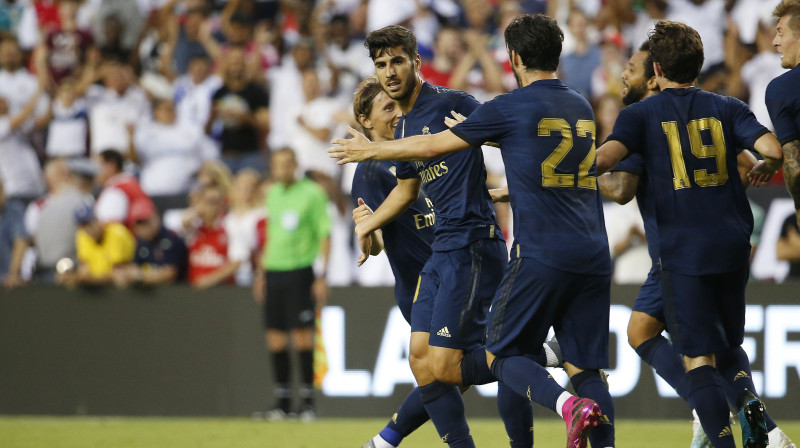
537 39
381 40
113 156
789 8
678 49
365 93
648 64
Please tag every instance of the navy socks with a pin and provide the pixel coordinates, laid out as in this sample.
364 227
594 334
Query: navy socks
517 414
708 400
588 384
410 416
528 379
659 354
446 409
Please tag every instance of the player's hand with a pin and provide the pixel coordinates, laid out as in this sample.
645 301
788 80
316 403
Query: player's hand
362 212
454 120
319 291
760 174
356 149
364 243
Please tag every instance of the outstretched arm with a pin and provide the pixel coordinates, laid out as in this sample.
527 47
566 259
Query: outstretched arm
619 186
609 154
418 147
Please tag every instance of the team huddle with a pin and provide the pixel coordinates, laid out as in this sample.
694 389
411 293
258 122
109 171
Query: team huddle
478 317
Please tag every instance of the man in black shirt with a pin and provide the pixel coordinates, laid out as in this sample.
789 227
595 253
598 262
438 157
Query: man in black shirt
241 107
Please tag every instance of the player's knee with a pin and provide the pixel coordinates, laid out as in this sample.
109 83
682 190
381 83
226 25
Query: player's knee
641 328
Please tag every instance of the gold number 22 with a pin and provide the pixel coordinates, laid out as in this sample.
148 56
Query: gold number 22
549 176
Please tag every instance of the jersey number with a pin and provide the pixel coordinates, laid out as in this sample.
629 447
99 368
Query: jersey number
716 149
549 176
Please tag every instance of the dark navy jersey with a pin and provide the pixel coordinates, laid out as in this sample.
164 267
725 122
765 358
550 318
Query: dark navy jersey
166 249
634 164
546 134
689 139
456 182
783 104
408 238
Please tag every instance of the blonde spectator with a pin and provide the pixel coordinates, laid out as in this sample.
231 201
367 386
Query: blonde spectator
207 241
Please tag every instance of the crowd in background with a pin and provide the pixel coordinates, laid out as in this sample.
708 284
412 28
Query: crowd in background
135 135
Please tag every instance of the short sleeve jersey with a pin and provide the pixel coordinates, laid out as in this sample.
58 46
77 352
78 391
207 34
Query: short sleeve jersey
690 140
298 223
408 238
456 182
634 164
546 136
783 104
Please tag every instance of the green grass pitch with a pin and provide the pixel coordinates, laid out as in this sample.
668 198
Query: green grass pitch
114 432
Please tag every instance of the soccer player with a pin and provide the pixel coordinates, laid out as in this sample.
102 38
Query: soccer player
407 240
783 98
560 271
626 179
688 139
455 287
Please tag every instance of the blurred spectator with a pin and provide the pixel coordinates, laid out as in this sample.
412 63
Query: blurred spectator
68 117
18 18
286 91
760 70
120 190
12 227
448 50
243 109
18 86
193 92
297 233
49 223
577 66
66 48
311 133
161 254
245 216
627 242
347 59
606 78
19 167
101 248
605 115
209 264
169 152
788 246
191 38
116 26
114 107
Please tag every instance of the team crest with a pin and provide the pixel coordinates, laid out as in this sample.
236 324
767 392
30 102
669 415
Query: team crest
426 130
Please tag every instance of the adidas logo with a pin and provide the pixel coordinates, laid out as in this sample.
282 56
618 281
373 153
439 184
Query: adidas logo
726 432
444 332
741 374
528 393
444 438
394 418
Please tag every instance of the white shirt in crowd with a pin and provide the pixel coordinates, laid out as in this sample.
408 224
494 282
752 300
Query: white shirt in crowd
111 113
757 73
170 155
19 166
632 265
242 231
112 204
708 18
18 88
193 101
311 151
66 135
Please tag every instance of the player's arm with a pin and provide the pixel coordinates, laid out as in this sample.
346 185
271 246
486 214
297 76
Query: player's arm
608 155
791 171
418 147
619 186
499 194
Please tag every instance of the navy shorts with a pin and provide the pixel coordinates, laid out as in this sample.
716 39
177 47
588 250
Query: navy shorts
533 297
289 304
705 314
649 300
454 293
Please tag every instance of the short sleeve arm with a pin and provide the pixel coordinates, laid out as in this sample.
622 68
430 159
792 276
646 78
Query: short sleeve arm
784 111
633 163
485 124
745 125
406 170
629 129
